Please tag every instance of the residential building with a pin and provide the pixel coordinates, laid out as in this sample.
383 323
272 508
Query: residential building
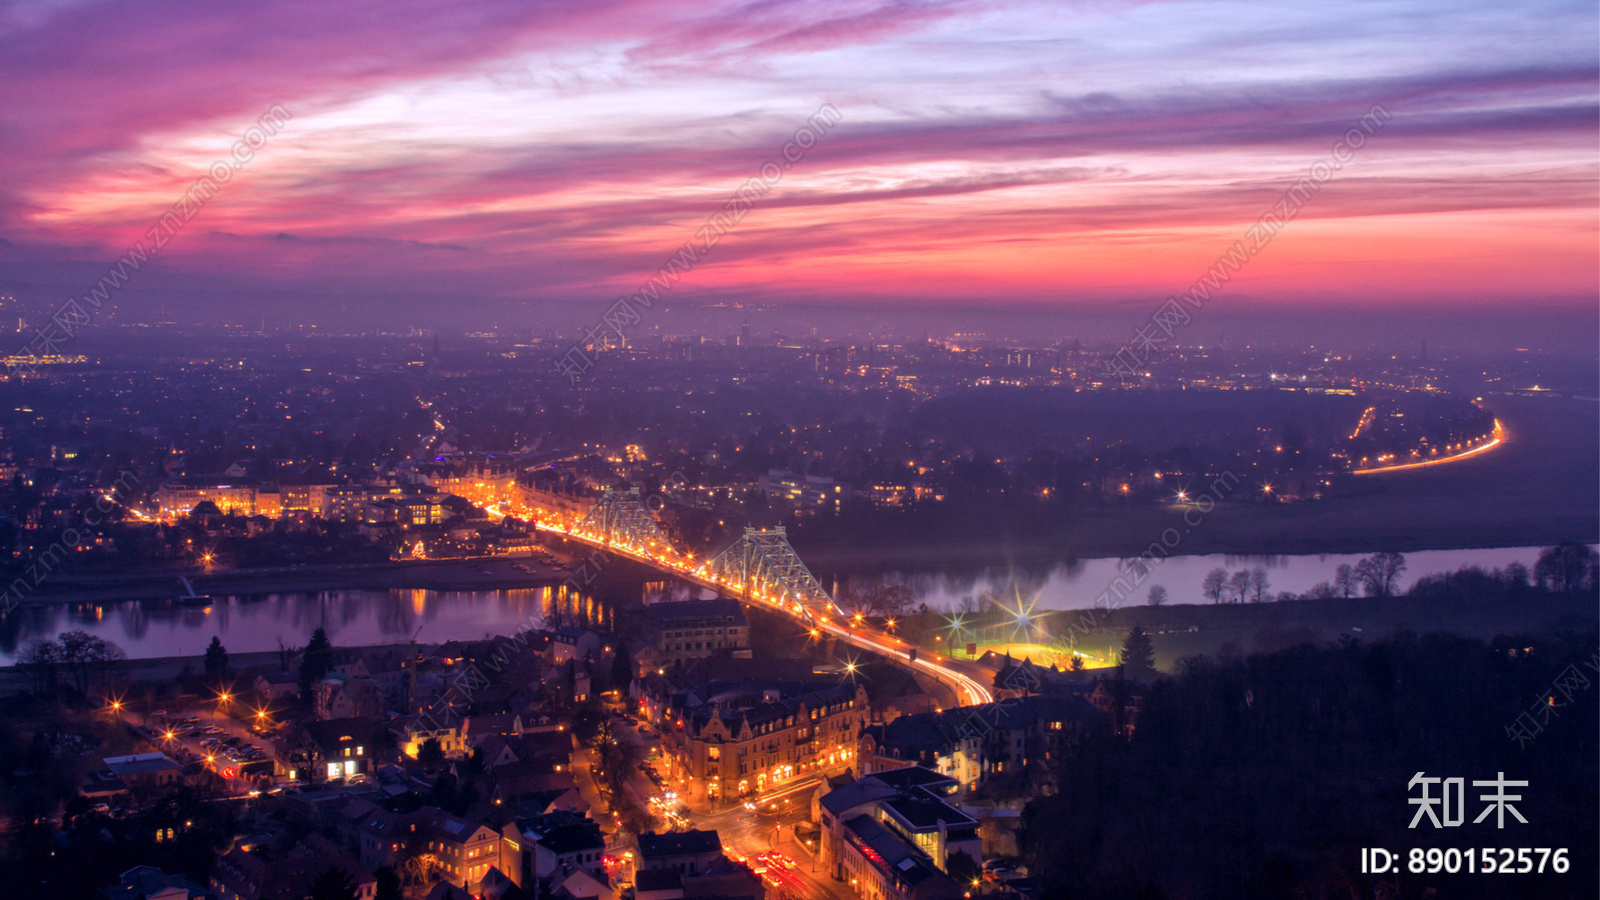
552 845
411 732
315 752
732 740
977 744
892 835
180 496
150 883
144 769
462 852
684 852
692 629
577 643
805 492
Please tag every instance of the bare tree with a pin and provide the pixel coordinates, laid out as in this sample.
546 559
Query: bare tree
1157 595
1258 584
1239 586
1563 567
1344 580
1380 572
41 660
879 598
1213 584
87 657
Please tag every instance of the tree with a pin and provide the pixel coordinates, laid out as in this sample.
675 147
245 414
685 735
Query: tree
1213 584
87 657
1258 584
1138 654
586 721
1379 573
216 661
430 751
1517 576
878 598
622 667
1157 595
388 887
1239 586
1077 664
1564 567
1344 580
41 662
333 884
618 759
962 868
285 653
317 660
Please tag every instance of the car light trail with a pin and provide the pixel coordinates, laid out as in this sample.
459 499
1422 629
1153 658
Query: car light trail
967 688
1499 437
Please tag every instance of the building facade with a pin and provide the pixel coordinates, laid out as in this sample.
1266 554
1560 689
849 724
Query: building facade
696 629
743 739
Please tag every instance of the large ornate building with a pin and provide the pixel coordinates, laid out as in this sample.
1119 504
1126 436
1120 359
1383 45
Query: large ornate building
724 741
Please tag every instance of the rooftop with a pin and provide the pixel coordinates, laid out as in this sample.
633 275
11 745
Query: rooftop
678 843
140 764
922 810
891 855
674 611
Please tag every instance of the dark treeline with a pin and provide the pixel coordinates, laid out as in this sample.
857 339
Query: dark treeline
1265 776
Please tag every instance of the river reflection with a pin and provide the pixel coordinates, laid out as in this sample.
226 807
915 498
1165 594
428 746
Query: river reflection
257 622
1080 584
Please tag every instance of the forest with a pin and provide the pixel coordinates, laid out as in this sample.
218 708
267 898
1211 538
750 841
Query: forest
1265 776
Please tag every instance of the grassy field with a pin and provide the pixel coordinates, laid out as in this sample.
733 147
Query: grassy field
1184 630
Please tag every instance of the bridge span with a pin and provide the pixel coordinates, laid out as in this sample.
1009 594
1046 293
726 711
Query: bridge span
760 568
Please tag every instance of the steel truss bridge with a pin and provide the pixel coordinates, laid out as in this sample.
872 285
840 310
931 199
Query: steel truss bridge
760 568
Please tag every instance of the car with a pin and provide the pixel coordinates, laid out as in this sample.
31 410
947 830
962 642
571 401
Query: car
996 870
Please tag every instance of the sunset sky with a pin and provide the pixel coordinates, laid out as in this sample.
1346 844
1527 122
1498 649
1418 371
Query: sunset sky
989 153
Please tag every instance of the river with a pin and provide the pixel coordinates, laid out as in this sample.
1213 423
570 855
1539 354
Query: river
256 622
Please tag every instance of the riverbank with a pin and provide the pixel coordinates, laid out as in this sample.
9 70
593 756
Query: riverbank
1540 488
170 668
486 573
1181 630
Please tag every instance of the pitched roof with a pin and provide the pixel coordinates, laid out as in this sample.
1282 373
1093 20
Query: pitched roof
678 843
140 764
674 611
864 790
573 838
657 880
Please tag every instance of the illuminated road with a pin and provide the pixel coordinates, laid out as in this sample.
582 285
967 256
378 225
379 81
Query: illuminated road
968 691
1499 438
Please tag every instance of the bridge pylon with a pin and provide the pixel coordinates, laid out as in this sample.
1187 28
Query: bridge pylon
618 518
762 566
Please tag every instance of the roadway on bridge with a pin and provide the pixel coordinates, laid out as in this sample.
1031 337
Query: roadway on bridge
968 690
